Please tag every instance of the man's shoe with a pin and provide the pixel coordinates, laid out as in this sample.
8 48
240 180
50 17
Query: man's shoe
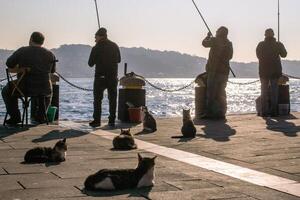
12 121
95 123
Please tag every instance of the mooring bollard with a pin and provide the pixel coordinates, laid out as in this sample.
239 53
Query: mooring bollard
132 92
200 95
284 105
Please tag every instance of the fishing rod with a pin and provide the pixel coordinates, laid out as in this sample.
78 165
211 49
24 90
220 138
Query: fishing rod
97 13
278 20
209 29
202 17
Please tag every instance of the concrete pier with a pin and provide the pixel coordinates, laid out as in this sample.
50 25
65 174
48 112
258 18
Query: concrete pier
243 158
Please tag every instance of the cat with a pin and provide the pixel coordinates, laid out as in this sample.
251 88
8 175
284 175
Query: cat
120 179
188 128
124 141
47 154
149 123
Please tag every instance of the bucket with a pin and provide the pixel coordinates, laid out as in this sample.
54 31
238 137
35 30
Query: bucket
51 113
283 109
135 115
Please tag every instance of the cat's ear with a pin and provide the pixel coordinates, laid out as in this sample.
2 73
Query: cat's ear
128 130
140 157
121 130
64 140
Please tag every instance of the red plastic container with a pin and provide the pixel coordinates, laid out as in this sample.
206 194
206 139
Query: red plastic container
135 115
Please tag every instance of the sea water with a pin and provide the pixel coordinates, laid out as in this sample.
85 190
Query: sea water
78 105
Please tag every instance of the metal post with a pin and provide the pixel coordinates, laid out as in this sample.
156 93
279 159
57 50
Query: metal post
125 69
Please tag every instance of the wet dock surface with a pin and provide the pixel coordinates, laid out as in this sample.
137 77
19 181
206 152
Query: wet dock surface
270 146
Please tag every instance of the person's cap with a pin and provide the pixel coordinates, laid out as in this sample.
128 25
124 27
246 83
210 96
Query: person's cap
223 31
101 32
269 32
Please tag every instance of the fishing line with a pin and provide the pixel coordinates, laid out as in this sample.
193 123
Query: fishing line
278 20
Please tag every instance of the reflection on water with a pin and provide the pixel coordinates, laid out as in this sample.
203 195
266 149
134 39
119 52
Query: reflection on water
78 105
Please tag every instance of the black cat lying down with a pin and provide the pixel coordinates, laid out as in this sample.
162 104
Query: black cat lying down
119 179
47 154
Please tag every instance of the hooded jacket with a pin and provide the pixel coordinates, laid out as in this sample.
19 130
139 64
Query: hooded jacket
220 54
269 53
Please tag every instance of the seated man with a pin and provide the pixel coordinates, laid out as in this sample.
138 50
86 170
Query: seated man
36 82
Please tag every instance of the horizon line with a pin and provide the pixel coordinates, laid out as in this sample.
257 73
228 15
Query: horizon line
183 53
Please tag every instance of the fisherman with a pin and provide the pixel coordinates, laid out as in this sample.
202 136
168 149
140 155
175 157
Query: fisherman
40 63
217 69
106 56
268 53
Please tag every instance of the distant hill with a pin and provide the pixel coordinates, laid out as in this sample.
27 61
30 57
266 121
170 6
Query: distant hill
150 63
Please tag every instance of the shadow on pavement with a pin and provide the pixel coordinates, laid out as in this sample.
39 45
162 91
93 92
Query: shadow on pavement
141 192
217 130
8 131
57 134
280 124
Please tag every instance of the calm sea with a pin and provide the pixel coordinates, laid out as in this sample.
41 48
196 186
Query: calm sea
78 105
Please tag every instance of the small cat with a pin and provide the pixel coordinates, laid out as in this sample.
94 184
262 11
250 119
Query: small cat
124 141
149 123
120 179
188 128
46 154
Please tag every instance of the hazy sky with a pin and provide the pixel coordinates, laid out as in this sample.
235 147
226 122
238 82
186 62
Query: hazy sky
155 24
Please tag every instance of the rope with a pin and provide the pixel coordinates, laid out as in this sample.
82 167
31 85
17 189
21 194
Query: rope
72 84
249 83
162 89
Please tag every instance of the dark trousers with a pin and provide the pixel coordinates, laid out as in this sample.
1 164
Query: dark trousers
216 105
100 84
269 96
11 104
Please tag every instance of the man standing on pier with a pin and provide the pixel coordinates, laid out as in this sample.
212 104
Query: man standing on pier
217 69
106 56
268 53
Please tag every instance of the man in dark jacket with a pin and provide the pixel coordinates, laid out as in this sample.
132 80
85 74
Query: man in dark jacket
268 53
217 69
36 82
106 56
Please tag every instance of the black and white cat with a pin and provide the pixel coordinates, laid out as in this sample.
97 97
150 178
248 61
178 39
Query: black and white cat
149 123
124 141
47 154
188 128
119 179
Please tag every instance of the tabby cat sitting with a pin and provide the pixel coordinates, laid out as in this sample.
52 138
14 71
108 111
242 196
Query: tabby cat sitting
188 128
124 141
149 123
